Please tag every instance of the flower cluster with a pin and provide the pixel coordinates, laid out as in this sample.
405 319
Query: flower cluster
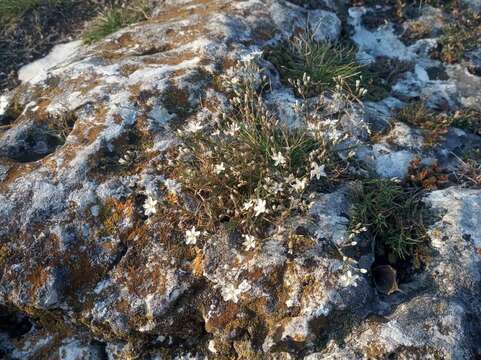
245 167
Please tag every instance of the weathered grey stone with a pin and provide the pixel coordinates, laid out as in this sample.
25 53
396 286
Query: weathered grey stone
439 322
78 255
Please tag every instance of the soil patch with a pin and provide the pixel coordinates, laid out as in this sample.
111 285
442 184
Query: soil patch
32 35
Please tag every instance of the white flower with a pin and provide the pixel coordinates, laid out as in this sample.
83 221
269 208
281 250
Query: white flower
249 243
219 168
233 129
317 171
260 207
276 188
172 186
194 126
211 347
279 159
191 236
348 279
248 205
231 293
244 286
150 206
299 185
127 158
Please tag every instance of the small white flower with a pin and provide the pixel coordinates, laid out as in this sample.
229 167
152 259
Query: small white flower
348 279
330 123
363 271
299 185
317 171
127 158
172 186
279 159
260 207
276 188
249 243
150 206
211 347
248 205
232 293
194 126
191 236
220 168
244 286
233 129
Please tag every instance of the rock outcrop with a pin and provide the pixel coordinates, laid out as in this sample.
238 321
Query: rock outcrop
84 274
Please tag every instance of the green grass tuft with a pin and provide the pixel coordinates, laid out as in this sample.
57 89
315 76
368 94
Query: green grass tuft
323 62
330 66
106 24
392 214
114 19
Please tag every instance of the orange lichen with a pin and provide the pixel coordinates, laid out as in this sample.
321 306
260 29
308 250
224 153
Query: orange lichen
223 319
37 279
198 264
113 213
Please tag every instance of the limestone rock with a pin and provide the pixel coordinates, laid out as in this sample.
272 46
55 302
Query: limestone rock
89 276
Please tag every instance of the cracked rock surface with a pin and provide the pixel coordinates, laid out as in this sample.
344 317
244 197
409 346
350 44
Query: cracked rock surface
85 275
